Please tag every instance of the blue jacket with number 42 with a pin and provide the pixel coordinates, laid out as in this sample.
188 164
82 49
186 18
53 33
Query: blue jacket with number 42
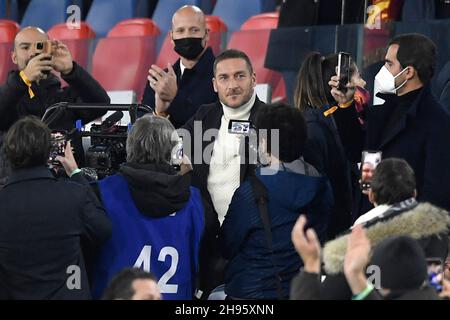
157 221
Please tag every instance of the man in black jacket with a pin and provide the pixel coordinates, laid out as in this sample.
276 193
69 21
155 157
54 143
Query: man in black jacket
218 161
32 89
178 91
44 220
411 124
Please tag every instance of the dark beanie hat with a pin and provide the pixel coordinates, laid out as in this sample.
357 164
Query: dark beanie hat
402 263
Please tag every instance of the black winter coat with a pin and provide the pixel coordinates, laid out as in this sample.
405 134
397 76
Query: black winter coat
43 223
325 152
420 136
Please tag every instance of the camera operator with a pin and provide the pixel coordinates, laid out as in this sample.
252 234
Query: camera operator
155 212
32 88
44 220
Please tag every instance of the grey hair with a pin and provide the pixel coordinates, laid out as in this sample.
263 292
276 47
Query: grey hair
151 140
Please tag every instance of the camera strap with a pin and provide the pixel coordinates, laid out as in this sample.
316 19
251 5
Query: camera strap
261 198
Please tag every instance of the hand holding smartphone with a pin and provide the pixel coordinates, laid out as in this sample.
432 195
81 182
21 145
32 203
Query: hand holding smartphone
58 145
435 268
343 70
44 47
369 162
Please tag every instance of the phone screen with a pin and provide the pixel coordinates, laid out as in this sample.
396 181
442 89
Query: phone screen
177 154
343 70
58 142
435 268
369 162
239 126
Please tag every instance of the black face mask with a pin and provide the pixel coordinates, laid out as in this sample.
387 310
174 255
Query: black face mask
189 48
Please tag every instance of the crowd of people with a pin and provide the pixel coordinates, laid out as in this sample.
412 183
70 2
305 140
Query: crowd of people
273 211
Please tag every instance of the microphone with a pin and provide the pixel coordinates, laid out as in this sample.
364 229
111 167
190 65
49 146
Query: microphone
111 120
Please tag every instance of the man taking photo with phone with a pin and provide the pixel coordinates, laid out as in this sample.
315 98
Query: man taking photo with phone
32 89
411 124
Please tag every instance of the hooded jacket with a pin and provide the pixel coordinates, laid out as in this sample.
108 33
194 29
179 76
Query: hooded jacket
251 271
155 214
156 189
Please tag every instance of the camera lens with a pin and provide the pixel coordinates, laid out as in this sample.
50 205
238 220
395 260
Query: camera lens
40 46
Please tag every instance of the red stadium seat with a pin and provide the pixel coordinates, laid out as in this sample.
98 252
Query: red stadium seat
78 41
121 61
215 24
262 21
8 30
63 32
135 28
253 39
217 29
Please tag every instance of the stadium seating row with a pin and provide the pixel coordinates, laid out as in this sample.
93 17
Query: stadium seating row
121 60
103 15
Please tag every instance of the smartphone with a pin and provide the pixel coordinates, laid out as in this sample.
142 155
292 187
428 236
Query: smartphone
58 143
44 47
369 162
435 269
177 154
239 127
343 70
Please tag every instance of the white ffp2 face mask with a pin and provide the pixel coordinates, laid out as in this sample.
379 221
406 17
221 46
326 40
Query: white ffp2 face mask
385 82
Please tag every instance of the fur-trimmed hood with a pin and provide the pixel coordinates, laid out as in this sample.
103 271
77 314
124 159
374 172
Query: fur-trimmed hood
423 221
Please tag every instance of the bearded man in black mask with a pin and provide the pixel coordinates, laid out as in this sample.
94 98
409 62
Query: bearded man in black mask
177 91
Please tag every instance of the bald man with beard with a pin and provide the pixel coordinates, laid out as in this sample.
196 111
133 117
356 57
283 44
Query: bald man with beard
177 91
33 88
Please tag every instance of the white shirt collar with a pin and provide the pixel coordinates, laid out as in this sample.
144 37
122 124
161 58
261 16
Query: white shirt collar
182 67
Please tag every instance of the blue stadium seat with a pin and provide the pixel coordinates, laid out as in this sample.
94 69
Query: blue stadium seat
207 6
9 10
45 13
164 11
235 12
105 14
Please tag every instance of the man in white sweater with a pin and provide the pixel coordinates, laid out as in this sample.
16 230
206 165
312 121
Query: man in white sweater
217 158
234 81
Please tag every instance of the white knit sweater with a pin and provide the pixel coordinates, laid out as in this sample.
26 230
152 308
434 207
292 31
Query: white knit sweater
224 169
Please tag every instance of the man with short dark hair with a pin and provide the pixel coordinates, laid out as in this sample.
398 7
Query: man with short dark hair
393 186
216 155
220 172
411 124
178 91
44 220
133 284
